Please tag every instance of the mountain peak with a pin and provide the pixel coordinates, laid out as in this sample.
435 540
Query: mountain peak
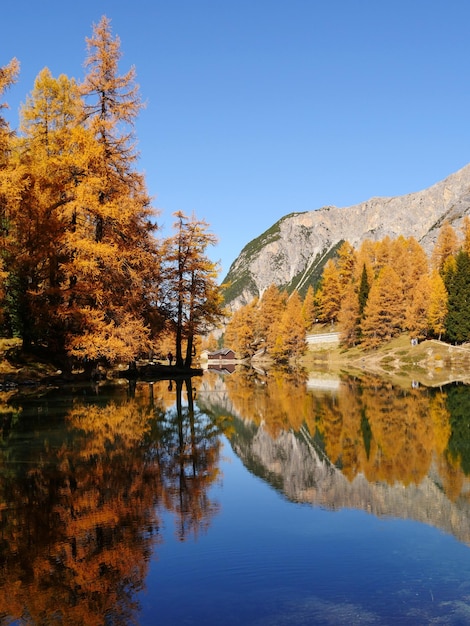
292 252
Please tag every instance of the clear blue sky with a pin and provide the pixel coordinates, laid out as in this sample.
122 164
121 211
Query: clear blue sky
259 108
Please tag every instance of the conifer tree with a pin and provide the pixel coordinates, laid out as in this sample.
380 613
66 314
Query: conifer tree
8 76
308 308
290 340
384 312
466 234
45 164
457 281
346 264
445 247
191 299
329 294
240 331
111 251
364 289
417 309
270 310
349 317
437 311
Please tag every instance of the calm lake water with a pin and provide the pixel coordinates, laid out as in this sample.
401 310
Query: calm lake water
240 498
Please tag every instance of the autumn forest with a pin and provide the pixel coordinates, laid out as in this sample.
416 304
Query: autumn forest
83 274
85 277
370 295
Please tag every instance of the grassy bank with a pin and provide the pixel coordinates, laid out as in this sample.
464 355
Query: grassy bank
431 363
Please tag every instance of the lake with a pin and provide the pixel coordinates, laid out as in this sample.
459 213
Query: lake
236 498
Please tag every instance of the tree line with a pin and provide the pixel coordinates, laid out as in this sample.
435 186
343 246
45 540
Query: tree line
83 273
371 295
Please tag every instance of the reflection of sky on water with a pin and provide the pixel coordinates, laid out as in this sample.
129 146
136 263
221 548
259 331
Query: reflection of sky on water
265 560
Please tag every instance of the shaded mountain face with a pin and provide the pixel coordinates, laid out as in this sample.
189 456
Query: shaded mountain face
291 254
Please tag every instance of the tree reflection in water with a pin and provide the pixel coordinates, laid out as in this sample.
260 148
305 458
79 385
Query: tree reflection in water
81 493
362 442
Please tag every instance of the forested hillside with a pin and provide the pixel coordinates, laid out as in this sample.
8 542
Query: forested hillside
371 294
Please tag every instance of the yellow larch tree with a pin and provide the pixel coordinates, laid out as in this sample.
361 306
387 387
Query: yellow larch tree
290 340
417 309
329 293
437 310
309 308
346 264
190 296
8 76
269 313
240 331
446 246
112 265
384 312
44 167
349 317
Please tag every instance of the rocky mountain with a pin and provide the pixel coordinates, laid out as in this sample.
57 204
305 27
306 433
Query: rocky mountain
292 253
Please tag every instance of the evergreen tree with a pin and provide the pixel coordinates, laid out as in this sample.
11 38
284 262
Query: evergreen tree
457 282
364 289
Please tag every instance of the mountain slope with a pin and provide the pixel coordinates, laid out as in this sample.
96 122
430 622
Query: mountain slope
292 253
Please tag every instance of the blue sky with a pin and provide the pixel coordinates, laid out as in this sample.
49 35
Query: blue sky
259 108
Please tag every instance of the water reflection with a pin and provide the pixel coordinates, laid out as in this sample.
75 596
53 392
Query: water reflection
84 479
359 443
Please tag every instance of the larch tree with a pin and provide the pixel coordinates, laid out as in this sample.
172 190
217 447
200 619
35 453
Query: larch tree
346 265
8 76
384 312
349 317
290 340
329 293
466 234
45 163
270 310
190 296
240 331
437 310
111 250
417 308
446 246
308 308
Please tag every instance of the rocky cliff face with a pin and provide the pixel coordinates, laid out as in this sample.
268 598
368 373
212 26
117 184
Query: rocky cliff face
292 253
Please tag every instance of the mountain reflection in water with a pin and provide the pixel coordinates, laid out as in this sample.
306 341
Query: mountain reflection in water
353 443
89 477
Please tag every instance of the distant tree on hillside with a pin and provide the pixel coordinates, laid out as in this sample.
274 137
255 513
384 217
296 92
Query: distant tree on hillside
384 312
445 247
457 281
438 298
290 339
